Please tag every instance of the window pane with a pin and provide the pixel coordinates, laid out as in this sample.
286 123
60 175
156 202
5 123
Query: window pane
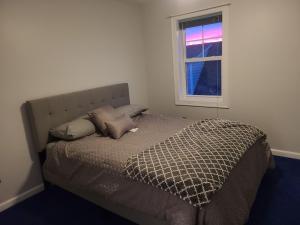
204 78
204 41
194 41
193 51
213 31
213 35
213 49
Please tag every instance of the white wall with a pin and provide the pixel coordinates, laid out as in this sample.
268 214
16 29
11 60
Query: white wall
264 64
53 47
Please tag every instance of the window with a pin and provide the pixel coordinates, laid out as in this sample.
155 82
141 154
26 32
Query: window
200 58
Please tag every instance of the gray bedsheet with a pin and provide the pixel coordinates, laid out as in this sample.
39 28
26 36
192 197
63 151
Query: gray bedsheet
96 164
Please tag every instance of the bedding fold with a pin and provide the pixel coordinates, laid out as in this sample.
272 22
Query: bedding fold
195 162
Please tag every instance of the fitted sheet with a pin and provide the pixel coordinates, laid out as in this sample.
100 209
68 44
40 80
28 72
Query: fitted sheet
95 164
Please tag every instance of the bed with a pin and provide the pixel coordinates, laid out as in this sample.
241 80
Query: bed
93 167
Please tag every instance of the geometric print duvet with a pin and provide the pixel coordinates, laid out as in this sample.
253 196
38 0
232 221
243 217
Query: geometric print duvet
195 162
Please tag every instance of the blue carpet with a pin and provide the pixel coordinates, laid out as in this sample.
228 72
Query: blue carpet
278 198
277 203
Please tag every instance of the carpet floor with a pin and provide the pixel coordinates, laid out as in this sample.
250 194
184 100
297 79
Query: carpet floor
277 203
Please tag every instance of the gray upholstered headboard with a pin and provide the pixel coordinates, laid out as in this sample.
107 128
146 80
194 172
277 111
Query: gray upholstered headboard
49 112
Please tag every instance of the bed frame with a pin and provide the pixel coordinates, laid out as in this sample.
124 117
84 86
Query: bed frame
49 112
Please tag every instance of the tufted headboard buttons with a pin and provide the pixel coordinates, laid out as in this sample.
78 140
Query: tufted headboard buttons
49 112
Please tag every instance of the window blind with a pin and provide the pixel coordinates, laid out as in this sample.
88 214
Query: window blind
201 21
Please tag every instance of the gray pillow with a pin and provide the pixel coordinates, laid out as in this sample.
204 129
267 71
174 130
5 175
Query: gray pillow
73 130
131 110
102 115
118 127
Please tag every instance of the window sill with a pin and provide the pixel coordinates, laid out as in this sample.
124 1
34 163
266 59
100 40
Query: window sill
199 103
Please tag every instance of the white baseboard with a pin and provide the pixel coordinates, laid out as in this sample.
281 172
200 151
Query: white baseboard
288 154
21 197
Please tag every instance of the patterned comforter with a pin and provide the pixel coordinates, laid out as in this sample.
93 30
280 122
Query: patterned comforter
194 163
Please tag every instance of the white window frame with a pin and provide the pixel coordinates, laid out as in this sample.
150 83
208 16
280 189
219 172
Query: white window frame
181 97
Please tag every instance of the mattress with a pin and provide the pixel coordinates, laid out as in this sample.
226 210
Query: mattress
95 164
